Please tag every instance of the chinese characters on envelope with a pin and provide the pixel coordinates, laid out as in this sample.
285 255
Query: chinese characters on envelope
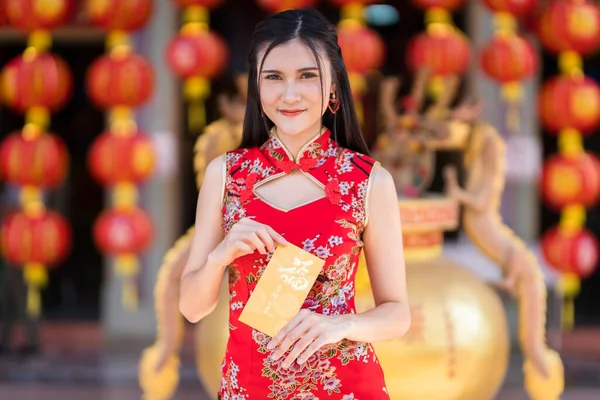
282 289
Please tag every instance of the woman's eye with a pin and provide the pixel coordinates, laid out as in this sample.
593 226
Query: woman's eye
309 75
272 77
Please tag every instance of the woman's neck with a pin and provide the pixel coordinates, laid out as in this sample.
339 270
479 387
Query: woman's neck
295 143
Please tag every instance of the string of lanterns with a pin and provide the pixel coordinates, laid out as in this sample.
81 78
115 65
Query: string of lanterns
509 58
197 55
362 48
122 157
442 49
569 105
34 84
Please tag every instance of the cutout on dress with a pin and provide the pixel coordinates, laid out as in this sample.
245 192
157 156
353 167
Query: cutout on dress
290 191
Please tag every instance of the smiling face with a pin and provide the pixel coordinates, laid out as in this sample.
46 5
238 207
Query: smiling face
291 92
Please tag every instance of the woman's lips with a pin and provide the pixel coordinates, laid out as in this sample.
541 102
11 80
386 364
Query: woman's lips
291 113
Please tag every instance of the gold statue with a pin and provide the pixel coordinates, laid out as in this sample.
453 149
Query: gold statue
401 146
484 160
407 144
159 366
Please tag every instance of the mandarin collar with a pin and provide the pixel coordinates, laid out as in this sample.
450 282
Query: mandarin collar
309 155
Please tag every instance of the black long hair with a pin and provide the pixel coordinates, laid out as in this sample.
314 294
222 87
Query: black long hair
316 32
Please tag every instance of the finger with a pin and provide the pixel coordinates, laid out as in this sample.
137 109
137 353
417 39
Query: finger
253 239
263 234
292 338
276 236
300 347
276 340
310 350
244 247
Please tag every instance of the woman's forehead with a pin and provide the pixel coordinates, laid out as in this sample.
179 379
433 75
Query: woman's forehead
292 56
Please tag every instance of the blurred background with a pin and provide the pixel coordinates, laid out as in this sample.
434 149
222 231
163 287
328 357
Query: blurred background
103 102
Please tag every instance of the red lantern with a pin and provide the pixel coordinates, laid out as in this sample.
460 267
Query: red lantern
115 158
448 5
43 239
120 81
570 26
275 6
124 15
41 161
362 48
443 53
342 3
570 180
508 59
31 15
570 102
121 232
513 7
42 81
571 254
203 54
210 4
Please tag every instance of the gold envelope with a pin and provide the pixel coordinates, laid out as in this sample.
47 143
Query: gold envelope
281 289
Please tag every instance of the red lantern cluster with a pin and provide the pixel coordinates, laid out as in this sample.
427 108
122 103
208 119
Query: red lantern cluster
567 101
41 161
275 6
569 106
123 231
35 83
120 15
122 157
32 15
197 55
362 48
203 54
120 81
449 5
200 3
117 158
570 181
41 81
575 254
570 25
508 58
512 7
44 239
442 53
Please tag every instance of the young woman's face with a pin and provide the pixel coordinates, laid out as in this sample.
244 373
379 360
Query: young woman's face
291 92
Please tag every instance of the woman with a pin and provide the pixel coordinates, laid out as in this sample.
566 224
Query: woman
300 176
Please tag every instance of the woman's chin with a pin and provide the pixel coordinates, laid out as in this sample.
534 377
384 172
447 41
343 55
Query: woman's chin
294 128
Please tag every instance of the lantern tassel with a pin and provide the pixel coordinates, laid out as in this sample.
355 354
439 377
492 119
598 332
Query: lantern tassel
130 295
569 286
568 314
36 277
127 266
513 118
512 93
34 302
436 86
196 116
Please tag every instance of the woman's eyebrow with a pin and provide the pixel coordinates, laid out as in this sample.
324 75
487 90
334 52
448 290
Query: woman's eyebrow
274 71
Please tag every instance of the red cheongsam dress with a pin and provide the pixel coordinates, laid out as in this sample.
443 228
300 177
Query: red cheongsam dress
330 228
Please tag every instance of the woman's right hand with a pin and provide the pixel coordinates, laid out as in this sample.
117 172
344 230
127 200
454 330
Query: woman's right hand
245 237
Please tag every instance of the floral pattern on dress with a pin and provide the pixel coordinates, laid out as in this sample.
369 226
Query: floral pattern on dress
336 238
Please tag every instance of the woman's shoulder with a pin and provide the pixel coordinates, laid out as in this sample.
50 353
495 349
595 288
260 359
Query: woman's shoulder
360 161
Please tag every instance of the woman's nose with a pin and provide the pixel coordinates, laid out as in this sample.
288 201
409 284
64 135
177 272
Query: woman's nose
290 93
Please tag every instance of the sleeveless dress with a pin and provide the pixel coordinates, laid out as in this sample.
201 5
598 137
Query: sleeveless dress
330 228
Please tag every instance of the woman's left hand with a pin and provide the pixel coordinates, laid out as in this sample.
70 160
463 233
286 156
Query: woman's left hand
308 332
